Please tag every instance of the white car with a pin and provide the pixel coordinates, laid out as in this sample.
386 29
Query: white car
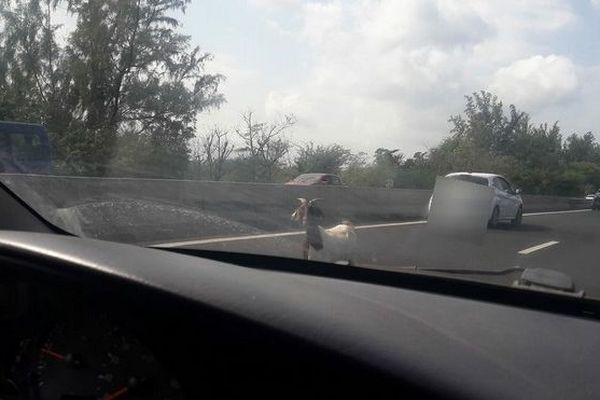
594 200
506 206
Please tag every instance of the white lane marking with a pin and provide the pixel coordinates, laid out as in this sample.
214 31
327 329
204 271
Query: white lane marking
392 224
541 246
297 233
226 239
273 235
555 212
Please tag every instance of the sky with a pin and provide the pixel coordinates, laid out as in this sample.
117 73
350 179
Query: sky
389 73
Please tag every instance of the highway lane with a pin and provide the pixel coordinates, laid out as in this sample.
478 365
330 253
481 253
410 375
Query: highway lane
563 241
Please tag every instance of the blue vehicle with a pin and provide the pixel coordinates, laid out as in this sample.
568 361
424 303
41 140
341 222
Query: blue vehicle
24 148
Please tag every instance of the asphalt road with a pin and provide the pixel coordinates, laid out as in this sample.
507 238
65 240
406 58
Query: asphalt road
563 241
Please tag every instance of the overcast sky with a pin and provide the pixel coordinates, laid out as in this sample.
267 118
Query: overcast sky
373 73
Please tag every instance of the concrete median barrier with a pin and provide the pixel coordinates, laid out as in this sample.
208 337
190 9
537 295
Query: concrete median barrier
147 210
537 203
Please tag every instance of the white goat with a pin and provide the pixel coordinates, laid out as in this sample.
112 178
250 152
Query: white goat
331 245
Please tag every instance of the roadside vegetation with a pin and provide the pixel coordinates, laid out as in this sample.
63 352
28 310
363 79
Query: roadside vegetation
486 137
121 94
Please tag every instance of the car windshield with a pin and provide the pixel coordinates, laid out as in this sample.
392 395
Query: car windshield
202 125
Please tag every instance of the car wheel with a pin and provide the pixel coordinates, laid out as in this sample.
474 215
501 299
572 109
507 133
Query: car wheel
493 223
518 218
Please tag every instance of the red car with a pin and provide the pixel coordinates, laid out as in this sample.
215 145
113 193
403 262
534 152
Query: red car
315 179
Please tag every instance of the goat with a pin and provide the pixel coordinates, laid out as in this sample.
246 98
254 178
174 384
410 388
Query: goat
334 244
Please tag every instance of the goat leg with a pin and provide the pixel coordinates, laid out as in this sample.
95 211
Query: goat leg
305 246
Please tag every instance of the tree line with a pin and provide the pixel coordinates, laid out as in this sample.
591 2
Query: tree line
486 137
536 157
120 94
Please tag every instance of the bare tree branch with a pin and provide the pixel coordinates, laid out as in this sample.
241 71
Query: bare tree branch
216 149
264 144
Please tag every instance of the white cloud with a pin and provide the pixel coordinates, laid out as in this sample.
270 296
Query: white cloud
536 81
390 72
395 70
270 4
530 15
242 90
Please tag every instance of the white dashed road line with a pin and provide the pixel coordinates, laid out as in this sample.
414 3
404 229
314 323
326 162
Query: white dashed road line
541 246
535 214
392 224
227 239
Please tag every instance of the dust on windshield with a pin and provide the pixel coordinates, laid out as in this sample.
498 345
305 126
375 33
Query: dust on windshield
181 124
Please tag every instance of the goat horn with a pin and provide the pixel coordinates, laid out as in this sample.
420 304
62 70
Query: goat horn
314 200
302 200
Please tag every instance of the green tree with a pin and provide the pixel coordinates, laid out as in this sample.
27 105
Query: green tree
578 178
358 171
330 158
33 81
538 159
388 158
582 148
387 165
485 125
416 173
124 91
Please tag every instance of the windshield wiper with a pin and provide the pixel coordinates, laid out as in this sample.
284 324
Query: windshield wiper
547 280
536 279
466 271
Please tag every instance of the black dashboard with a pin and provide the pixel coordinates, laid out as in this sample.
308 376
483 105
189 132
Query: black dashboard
78 326
59 343
88 319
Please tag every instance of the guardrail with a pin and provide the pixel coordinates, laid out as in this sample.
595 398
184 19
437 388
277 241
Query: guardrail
138 210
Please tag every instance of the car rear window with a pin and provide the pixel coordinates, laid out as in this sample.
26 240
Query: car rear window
470 178
307 178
